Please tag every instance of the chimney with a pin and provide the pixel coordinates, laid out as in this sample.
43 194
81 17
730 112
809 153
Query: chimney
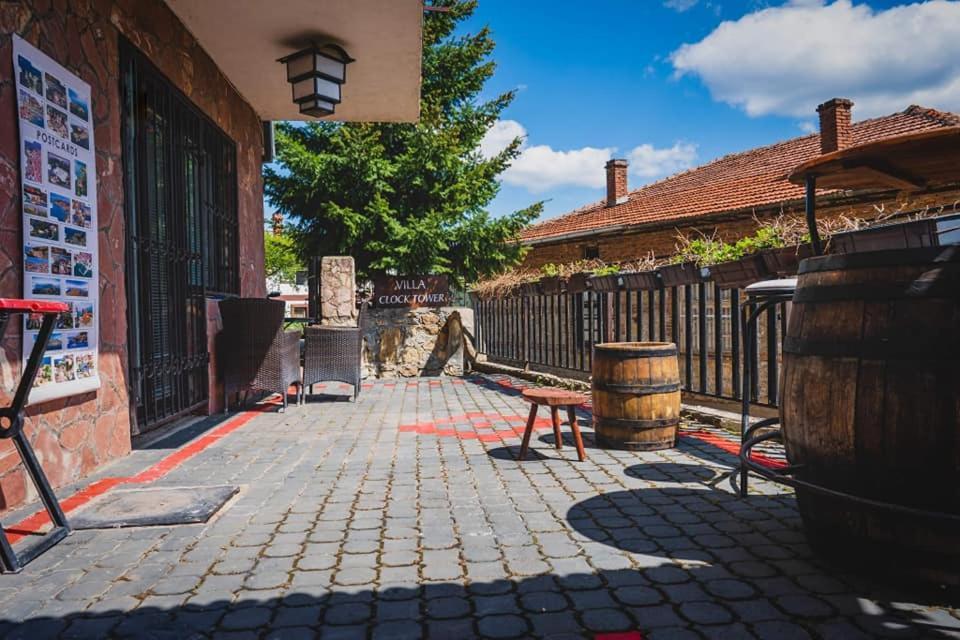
835 124
616 182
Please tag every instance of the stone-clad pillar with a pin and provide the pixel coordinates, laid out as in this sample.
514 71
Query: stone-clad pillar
338 291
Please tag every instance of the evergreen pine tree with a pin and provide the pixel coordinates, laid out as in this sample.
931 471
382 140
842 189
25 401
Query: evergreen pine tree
401 197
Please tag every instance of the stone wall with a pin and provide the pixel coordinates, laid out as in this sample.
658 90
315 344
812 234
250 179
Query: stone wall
73 436
406 343
338 291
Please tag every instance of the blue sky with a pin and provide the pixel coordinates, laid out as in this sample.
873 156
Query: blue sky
675 83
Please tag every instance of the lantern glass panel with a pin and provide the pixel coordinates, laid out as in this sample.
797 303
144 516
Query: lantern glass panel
316 88
317 108
330 67
299 65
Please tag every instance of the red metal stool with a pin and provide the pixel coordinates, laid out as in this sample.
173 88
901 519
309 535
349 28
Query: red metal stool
553 398
11 426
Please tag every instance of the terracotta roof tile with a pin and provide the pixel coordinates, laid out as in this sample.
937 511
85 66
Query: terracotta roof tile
752 178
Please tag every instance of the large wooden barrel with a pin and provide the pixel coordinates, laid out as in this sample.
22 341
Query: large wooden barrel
636 395
871 406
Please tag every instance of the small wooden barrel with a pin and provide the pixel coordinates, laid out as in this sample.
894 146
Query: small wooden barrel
636 395
871 406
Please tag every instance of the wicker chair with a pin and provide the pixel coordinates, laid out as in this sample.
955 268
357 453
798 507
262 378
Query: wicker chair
256 353
331 354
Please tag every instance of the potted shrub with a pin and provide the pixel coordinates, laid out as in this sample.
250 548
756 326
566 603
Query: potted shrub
729 265
641 275
577 282
680 271
507 284
578 274
732 265
551 283
778 243
920 231
685 266
785 261
529 288
492 288
606 278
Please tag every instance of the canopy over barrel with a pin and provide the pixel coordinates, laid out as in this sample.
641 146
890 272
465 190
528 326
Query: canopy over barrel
915 161
912 162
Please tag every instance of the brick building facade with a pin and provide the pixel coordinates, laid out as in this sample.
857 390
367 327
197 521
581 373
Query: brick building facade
75 435
730 194
195 74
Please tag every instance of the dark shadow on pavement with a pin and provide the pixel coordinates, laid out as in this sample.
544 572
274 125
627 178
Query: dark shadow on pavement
755 540
671 472
663 601
512 452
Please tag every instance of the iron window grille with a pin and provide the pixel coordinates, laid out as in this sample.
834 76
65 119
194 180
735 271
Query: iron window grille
182 238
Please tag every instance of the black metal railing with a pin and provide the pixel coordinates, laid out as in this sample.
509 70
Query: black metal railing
557 331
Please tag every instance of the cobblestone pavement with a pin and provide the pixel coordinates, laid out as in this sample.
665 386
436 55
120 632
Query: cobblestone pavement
406 515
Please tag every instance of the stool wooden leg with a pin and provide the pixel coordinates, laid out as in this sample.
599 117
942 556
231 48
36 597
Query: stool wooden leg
529 431
555 416
575 428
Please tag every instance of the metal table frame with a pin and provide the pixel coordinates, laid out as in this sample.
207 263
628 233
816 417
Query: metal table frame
11 426
761 300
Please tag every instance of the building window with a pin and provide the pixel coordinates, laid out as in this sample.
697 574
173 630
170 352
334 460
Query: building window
591 252
185 174
180 184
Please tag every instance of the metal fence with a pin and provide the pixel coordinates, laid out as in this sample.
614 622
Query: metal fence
705 322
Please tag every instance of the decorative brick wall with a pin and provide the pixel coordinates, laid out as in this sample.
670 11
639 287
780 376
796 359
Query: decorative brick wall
76 435
661 240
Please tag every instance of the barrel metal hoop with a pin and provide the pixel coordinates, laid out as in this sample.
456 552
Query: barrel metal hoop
636 389
611 443
786 477
886 258
634 353
921 288
629 423
917 348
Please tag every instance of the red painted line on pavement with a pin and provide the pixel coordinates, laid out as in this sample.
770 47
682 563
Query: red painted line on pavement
623 635
180 456
34 523
732 447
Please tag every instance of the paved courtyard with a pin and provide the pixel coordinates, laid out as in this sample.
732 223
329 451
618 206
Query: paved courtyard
406 515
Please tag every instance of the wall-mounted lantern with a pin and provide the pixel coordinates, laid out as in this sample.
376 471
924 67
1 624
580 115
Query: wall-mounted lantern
316 75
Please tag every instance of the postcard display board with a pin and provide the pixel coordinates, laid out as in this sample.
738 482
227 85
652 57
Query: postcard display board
59 187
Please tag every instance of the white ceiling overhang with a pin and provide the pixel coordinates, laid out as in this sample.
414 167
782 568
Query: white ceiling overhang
246 37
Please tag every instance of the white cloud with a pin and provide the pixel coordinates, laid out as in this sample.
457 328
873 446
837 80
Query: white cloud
540 168
649 162
499 136
786 60
679 5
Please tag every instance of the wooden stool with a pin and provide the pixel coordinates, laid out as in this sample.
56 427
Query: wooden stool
553 398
